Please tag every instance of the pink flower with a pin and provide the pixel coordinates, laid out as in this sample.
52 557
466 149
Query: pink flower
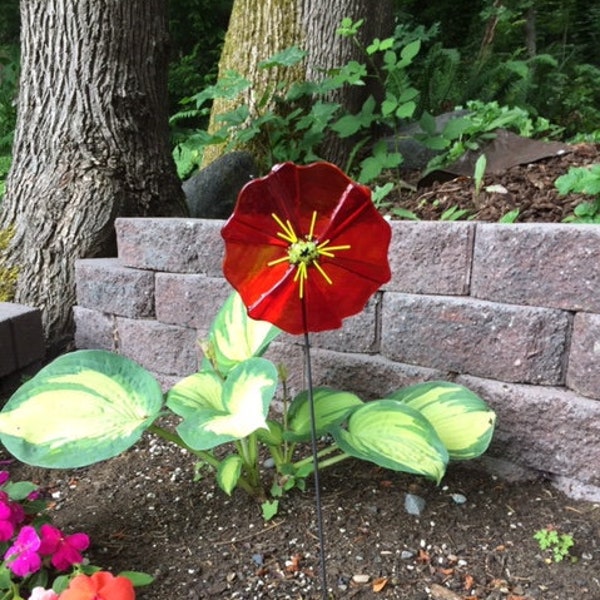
39 593
17 513
7 527
22 557
65 550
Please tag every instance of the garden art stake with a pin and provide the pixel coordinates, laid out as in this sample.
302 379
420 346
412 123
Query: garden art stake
305 248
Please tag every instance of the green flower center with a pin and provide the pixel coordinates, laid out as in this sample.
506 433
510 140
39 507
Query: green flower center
304 253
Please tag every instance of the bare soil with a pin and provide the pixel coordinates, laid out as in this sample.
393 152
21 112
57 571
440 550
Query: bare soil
473 540
146 511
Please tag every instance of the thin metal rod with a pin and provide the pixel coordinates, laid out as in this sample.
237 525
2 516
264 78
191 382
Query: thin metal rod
315 456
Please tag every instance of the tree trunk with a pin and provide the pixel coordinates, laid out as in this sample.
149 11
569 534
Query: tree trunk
91 144
326 50
260 28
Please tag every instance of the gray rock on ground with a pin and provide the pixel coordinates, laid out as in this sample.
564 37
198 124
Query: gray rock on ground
212 192
417 155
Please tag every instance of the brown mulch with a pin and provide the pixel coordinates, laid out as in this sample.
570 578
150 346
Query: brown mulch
530 188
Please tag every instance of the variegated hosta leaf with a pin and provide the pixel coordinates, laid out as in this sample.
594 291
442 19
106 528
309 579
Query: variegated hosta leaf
462 420
83 407
229 472
331 407
200 390
235 337
242 408
395 436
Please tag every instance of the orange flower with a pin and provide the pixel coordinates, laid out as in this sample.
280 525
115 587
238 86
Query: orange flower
99 586
305 247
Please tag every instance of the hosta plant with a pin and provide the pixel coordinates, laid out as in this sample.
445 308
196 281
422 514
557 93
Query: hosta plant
91 405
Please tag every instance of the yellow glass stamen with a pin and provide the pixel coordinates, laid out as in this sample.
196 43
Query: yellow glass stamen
287 232
301 274
311 231
278 261
327 251
320 269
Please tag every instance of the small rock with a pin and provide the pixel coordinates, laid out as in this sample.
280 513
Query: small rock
211 193
458 498
361 578
414 504
406 554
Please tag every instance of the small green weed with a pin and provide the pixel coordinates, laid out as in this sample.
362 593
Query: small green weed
582 180
557 543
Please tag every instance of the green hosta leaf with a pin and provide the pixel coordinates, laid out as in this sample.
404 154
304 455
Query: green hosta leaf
229 472
331 407
241 409
462 420
200 390
235 337
273 435
82 408
395 436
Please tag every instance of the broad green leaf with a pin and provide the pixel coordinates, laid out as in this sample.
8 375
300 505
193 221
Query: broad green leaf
19 490
462 420
286 58
273 435
229 472
83 407
456 127
331 407
395 436
234 336
245 398
406 110
409 52
200 390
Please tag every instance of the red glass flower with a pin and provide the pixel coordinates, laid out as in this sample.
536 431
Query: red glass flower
305 247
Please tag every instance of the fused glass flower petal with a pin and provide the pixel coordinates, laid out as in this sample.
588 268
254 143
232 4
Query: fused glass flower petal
306 241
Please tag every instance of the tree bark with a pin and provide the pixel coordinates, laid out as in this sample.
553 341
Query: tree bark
91 143
260 28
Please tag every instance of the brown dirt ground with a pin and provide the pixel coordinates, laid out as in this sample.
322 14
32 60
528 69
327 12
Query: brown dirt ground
144 511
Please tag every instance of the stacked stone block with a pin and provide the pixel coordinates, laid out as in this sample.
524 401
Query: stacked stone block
512 311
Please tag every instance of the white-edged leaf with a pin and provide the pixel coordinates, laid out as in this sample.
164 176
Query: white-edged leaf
395 436
235 337
83 407
331 407
245 398
462 420
228 473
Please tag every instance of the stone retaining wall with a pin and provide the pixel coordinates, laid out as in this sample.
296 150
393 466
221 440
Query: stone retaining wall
22 345
511 311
